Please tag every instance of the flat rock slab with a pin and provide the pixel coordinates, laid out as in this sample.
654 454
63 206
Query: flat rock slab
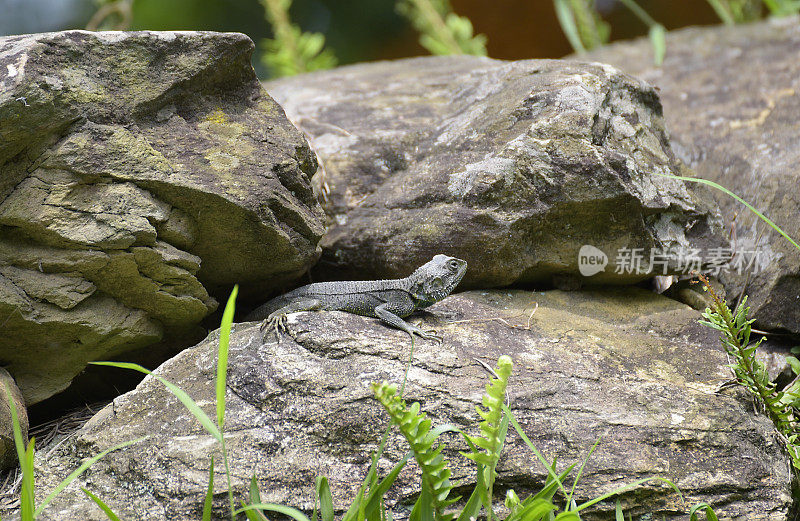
732 102
626 366
143 174
512 166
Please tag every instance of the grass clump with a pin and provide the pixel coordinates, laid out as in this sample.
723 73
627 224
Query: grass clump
28 509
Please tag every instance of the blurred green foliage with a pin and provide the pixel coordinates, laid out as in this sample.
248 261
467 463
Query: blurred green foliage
316 31
354 30
291 51
441 30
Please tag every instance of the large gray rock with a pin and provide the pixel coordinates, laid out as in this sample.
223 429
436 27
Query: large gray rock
732 102
8 452
142 175
510 166
626 364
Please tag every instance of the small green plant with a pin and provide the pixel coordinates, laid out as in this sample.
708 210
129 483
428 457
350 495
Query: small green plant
494 426
416 429
586 30
441 30
582 24
736 11
214 429
28 509
292 51
111 15
782 407
485 452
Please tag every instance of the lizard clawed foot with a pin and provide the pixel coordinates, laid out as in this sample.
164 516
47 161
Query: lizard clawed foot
428 334
276 322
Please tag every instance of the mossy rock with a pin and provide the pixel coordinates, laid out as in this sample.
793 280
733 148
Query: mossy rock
143 174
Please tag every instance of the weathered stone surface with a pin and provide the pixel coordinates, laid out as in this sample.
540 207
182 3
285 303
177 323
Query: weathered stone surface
142 175
625 364
732 102
8 452
510 166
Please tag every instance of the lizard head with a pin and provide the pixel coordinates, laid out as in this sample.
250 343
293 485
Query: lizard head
436 279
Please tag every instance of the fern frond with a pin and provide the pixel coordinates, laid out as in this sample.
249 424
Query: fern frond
490 440
416 429
735 330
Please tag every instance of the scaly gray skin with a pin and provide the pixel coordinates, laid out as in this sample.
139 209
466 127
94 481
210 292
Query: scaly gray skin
388 300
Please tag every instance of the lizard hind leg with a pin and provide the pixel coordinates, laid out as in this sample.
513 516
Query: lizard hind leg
395 321
276 321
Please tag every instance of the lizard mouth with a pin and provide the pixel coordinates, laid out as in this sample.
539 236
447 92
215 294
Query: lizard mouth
453 282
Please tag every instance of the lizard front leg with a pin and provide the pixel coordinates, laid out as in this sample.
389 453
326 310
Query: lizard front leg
393 320
277 319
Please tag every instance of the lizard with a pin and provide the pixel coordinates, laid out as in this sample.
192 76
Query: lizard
389 300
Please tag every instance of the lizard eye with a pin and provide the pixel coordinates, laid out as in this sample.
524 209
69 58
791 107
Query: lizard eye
453 264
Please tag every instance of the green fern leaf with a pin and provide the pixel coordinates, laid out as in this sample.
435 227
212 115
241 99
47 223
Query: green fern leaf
491 440
416 429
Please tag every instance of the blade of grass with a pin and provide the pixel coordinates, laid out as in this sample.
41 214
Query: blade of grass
568 25
209 501
725 190
473 505
376 493
80 470
658 39
108 512
710 515
288 511
533 448
580 470
723 13
179 393
640 13
627 487
26 494
618 515
325 499
254 515
221 384
222 358
549 489
28 489
656 31
423 507
535 511
255 497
